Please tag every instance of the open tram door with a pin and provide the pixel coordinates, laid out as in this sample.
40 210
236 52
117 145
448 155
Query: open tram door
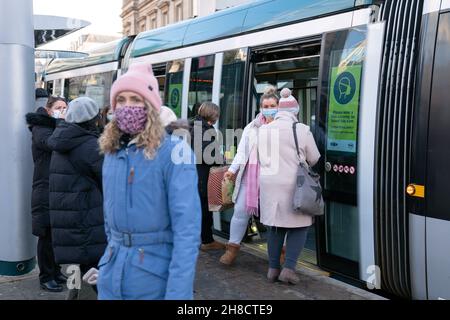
327 75
293 65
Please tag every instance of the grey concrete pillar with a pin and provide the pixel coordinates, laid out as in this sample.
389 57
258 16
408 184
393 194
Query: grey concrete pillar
17 245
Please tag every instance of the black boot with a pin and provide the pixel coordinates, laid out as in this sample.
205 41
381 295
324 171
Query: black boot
61 279
51 286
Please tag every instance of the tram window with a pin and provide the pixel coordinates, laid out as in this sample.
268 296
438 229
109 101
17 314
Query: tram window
160 74
66 90
294 67
95 86
231 98
174 85
200 83
49 87
57 87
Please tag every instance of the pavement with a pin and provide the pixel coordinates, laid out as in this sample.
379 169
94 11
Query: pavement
245 280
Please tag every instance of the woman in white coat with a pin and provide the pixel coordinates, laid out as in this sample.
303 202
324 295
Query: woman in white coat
245 164
279 162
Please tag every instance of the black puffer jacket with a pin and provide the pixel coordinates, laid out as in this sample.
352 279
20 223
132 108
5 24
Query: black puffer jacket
199 125
76 201
41 126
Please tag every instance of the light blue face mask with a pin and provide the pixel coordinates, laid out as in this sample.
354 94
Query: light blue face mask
269 113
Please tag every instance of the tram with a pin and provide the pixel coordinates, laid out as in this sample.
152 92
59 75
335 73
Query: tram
373 80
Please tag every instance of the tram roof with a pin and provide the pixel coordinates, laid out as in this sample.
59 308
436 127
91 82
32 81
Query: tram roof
108 52
261 14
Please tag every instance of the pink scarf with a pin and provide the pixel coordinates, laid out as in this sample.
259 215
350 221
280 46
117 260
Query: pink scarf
252 179
252 175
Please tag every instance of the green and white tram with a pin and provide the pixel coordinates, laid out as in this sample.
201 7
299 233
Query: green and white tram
373 79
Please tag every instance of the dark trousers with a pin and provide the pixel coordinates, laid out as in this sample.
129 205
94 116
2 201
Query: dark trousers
46 259
295 241
207 222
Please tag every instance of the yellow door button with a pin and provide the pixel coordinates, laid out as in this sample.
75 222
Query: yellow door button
415 190
411 190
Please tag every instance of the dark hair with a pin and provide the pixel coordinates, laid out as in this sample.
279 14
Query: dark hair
52 99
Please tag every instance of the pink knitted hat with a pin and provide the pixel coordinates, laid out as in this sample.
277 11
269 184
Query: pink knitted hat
138 79
287 100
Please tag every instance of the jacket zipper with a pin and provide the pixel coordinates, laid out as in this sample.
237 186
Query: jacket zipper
130 180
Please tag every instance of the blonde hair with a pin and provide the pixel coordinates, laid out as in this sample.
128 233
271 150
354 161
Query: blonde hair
150 139
209 111
270 92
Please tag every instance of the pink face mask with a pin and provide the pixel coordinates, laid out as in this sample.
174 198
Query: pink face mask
131 119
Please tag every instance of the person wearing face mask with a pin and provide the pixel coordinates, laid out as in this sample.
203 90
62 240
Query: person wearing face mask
76 200
279 163
202 140
246 166
42 123
152 207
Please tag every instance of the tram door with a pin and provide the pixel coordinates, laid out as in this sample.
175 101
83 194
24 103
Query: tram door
336 133
294 66
325 75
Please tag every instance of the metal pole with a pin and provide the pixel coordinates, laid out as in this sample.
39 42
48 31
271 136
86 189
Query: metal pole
17 245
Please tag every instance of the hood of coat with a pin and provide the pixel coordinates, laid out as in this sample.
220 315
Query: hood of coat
68 136
40 118
286 115
205 125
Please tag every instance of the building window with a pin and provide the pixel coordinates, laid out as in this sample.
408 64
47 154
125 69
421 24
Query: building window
143 26
179 11
153 23
165 17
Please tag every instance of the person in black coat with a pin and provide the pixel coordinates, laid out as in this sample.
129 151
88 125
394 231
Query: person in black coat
76 200
42 123
208 114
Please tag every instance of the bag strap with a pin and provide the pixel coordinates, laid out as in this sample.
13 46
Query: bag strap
294 130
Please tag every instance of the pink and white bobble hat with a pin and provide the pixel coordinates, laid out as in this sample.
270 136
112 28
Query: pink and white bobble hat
138 79
287 100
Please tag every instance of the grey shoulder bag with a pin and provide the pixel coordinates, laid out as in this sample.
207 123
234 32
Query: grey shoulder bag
308 192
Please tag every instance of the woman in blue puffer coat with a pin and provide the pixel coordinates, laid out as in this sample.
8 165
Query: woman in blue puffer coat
151 204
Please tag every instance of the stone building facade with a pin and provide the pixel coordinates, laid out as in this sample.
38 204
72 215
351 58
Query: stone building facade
143 15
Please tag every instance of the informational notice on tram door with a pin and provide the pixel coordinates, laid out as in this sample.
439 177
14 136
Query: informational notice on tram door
175 93
343 109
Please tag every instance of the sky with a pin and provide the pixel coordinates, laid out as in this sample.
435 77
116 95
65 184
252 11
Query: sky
104 16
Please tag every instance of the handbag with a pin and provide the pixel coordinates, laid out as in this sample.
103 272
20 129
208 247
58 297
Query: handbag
308 191
215 189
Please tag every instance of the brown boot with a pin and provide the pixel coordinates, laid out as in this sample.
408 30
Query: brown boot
231 254
215 245
288 276
272 274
